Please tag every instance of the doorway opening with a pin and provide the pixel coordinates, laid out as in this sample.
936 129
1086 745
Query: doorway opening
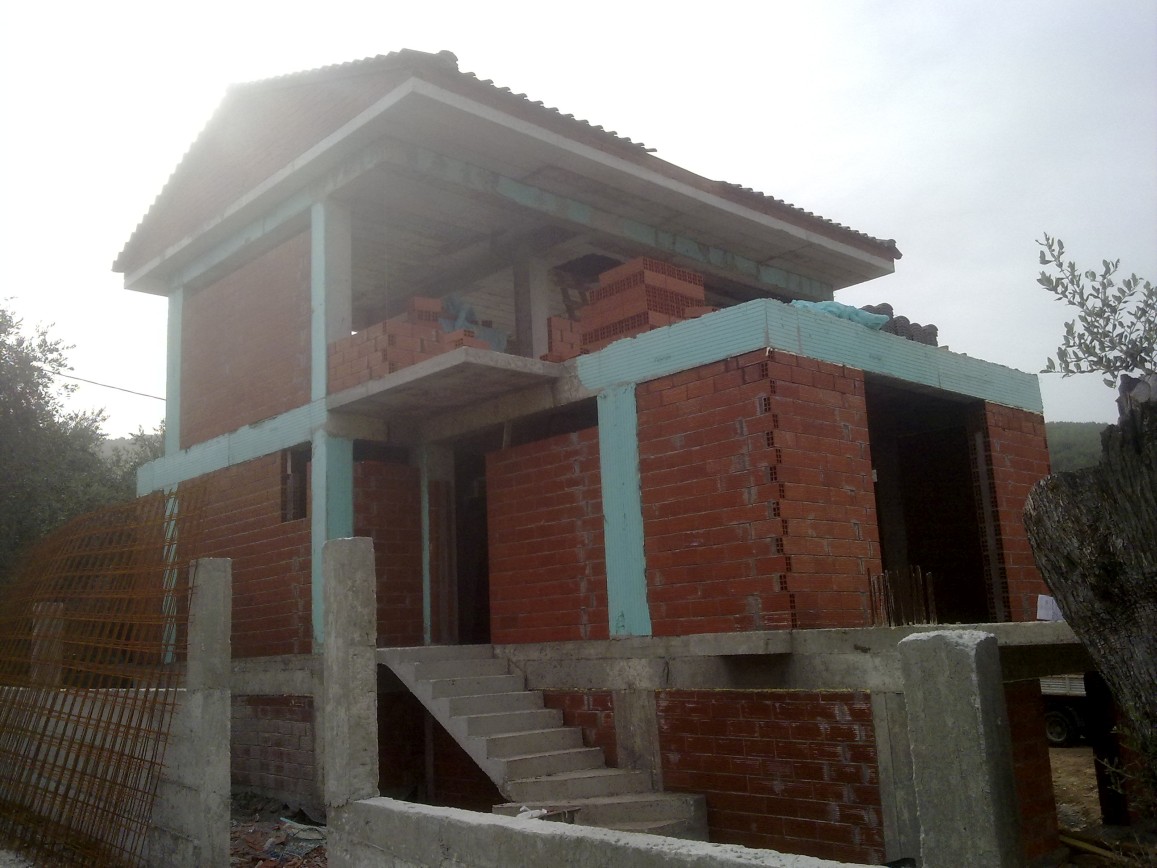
931 474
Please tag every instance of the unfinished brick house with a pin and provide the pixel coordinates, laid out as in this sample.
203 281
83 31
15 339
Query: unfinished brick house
558 382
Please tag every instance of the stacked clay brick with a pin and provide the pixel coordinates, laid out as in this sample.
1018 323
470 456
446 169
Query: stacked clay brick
394 344
635 297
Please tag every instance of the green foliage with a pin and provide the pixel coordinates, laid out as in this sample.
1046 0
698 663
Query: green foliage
1115 331
51 466
1073 445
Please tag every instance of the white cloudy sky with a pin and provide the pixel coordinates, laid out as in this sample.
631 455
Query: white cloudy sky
962 130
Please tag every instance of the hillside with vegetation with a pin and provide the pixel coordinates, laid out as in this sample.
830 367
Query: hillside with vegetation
1073 445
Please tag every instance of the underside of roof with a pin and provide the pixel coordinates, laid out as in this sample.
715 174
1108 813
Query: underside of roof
276 129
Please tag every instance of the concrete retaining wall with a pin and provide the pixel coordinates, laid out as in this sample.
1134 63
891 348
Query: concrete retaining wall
403 835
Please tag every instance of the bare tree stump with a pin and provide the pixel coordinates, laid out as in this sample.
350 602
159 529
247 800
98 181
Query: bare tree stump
1094 534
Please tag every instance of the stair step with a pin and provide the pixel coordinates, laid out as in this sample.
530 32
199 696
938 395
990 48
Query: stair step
472 686
553 762
459 668
533 741
426 653
484 703
505 722
563 787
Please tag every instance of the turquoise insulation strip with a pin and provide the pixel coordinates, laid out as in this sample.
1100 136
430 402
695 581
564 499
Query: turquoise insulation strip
319 357
173 374
627 609
766 323
332 515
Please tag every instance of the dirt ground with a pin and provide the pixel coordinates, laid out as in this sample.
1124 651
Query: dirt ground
1079 815
264 835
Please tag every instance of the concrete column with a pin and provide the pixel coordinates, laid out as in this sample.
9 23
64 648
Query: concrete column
348 695
961 750
331 285
331 510
637 733
173 367
190 824
439 597
894 759
531 306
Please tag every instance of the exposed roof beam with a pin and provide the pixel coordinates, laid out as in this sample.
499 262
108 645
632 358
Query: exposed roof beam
586 218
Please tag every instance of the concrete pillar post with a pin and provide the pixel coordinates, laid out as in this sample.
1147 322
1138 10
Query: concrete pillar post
204 764
637 733
349 674
531 305
961 751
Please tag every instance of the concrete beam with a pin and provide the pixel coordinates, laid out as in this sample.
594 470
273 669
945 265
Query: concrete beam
474 179
961 750
845 659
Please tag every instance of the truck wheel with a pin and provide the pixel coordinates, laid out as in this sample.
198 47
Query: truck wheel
1060 729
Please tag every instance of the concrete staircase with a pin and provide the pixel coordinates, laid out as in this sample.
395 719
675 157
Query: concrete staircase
525 749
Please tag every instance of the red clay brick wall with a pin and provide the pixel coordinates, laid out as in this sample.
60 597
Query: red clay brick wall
272 747
388 509
593 711
1031 769
793 771
545 519
245 344
272 607
1019 459
758 506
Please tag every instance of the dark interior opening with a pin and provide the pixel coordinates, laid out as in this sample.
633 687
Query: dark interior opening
472 549
925 495
471 534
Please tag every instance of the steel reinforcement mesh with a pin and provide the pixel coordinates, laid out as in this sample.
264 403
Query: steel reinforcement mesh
93 629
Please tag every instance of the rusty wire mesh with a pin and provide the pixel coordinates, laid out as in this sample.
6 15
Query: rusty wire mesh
92 635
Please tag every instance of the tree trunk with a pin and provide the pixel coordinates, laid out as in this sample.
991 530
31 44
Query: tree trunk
1094 534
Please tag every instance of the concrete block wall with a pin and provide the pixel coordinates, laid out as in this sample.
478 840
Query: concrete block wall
1031 770
387 509
272 747
245 344
794 771
593 711
758 506
545 522
1019 459
272 612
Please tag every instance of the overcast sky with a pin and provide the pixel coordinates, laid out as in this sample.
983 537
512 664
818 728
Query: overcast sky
962 130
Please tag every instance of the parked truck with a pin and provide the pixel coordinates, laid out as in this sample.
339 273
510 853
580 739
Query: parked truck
1066 709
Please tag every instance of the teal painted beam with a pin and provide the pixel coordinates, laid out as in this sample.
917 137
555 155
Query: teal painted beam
457 173
332 514
764 323
286 219
253 441
173 373
627 608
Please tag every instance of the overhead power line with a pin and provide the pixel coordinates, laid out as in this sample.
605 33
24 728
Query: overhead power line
104 385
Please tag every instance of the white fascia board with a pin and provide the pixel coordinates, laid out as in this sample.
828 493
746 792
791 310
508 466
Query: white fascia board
293 176
618 165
